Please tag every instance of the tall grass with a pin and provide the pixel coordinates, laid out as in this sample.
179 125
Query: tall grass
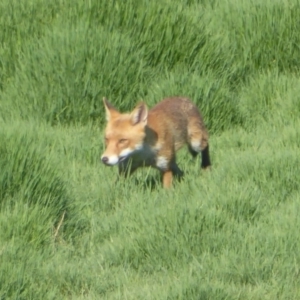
67 230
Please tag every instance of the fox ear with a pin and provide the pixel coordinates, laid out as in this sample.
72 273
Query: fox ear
111 111
140 114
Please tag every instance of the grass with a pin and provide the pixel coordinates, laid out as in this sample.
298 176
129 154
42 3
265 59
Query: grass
68 231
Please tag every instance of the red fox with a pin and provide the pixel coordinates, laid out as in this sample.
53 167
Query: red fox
143 138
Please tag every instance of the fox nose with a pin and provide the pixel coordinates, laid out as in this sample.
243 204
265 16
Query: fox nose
104 159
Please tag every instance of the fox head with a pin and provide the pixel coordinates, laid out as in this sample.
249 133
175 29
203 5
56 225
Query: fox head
124 133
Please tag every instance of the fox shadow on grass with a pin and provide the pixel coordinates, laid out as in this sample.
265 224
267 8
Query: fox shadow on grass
152 182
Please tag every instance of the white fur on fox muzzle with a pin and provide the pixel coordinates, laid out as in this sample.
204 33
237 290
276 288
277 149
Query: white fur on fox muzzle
110 160
125 153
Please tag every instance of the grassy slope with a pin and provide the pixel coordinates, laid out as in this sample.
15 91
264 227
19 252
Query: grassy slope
228 234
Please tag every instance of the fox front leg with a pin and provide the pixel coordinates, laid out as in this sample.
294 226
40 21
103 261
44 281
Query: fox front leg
167 179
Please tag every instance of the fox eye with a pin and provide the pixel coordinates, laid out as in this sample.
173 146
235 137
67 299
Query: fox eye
122 141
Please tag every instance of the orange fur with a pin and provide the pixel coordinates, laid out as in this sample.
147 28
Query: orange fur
143 138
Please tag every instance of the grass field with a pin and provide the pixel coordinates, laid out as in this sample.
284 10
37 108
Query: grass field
67 231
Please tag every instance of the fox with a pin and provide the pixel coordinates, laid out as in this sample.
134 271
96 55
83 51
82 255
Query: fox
152 137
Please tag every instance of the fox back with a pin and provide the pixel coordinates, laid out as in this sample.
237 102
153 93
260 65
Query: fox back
143 138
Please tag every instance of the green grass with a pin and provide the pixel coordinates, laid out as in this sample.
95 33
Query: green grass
68 231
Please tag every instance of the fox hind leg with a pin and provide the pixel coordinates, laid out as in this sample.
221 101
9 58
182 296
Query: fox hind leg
192 151
196 147
198 143
205 163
